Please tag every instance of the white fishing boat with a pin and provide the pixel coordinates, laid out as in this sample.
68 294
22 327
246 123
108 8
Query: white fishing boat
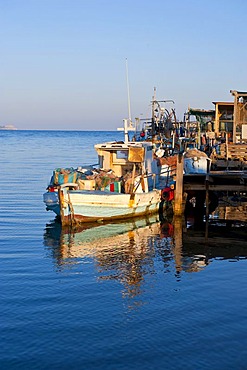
125 184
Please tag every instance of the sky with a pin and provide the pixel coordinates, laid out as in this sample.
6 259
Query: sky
63 62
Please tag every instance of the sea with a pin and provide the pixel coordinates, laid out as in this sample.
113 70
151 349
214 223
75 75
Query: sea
142 294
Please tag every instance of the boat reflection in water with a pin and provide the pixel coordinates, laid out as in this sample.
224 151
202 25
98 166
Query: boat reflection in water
131 251
122 251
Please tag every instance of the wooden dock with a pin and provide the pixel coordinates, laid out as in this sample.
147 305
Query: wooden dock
233 181
230 156
202 184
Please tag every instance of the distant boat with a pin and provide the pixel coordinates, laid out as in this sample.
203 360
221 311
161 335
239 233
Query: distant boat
8 127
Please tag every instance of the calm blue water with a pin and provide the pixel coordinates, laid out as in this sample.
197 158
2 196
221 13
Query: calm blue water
129 297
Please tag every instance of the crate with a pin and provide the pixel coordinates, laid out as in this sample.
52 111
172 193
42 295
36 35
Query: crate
234 151
63 176
86 184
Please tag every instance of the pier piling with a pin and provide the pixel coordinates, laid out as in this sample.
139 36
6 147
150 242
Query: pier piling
178 201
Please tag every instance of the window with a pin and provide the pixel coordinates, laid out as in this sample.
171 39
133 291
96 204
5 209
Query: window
122 154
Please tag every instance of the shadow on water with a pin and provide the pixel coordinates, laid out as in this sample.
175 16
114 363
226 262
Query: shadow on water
128 251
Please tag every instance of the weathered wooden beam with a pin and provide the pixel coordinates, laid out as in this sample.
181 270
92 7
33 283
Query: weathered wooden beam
215 187
178 201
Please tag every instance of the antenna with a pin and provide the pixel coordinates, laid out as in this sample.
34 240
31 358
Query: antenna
128 89
128 125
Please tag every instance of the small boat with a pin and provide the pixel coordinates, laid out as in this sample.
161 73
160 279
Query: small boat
124 185
196 161
8 127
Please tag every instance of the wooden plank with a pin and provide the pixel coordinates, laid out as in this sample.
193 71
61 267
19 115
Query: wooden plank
233 151
221 187
229 163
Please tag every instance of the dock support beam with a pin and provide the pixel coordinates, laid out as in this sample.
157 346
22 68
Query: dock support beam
178 201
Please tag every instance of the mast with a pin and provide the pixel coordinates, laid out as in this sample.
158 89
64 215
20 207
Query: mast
128 125
153 115
128 90
126 132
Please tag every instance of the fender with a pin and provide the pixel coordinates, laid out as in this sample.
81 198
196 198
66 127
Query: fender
165 193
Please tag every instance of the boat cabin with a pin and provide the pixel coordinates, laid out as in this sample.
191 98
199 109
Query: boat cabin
133 158
223 123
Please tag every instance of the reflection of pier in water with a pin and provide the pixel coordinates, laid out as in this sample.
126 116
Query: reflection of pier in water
128 252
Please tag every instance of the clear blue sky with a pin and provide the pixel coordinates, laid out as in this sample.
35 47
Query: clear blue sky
62 63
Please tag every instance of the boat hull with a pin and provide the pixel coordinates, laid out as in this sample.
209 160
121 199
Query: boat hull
87 206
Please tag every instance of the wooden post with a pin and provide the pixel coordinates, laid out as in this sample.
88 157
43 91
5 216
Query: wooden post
133 179
61 199
178 201
235 118
178 242
227 152
207 199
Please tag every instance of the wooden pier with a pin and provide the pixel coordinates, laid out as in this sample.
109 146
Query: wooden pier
202 184
233 181
230 156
